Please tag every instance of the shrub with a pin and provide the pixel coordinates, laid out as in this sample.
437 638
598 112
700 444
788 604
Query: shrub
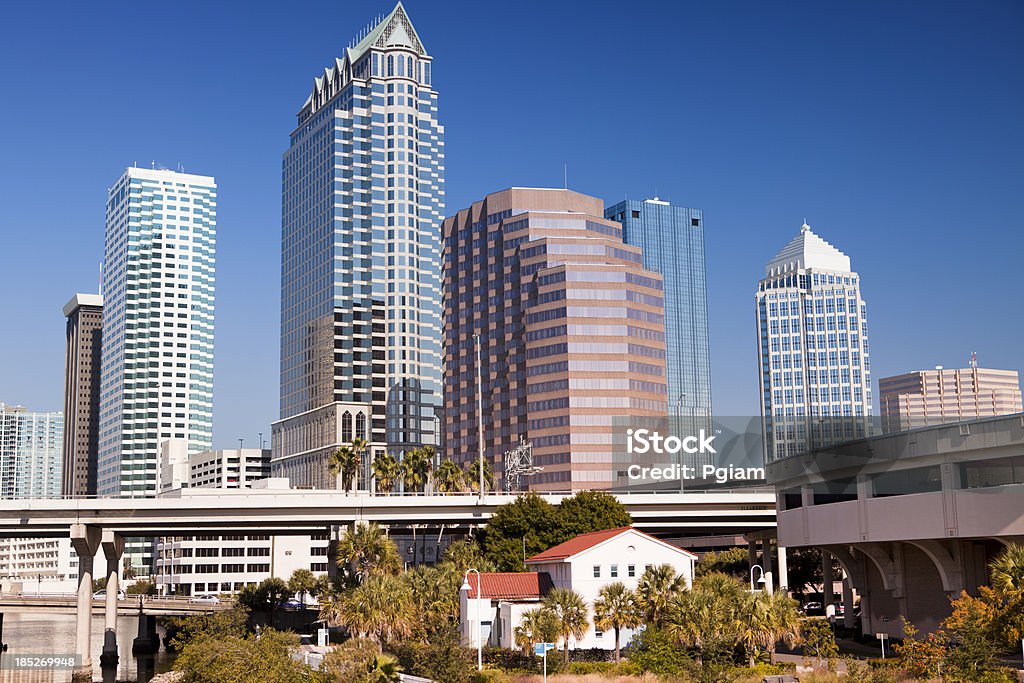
652 650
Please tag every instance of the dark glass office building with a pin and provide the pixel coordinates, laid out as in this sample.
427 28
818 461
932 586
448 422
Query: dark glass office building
671 239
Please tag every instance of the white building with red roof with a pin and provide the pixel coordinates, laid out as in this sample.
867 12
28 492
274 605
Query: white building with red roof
584 564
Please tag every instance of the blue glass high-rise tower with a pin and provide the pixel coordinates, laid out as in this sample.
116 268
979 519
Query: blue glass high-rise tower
672 240
362 204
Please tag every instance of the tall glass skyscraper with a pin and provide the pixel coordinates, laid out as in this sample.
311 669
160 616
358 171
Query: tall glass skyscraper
672 241
362 203
156 368
812 343
30 453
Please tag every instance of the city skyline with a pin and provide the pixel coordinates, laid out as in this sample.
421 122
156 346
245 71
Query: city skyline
883 208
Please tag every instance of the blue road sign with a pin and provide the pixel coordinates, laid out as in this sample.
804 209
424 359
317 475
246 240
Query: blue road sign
540 648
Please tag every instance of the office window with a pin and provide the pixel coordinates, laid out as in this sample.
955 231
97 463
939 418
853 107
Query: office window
615 571
631 570
597 571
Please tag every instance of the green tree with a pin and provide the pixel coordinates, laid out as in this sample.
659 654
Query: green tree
441 657
466 554
264 597
344 462
415 468
367 550
537 625
242 659
448 477
706 618
588 511
386 471
1008 570
471 475
380 608
765 619
141 587
528 525
819 642
215 625
732 561
351 661
302 582
435 597
616 608
655 590
569 609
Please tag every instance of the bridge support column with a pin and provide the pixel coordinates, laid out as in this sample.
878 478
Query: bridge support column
783 581
113 549
85 540
827 596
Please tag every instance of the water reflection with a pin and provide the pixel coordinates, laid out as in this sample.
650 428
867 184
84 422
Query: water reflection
54 634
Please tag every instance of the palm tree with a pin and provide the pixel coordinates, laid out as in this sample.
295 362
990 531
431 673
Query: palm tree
384 669
537 625
344 462
302 582
1008 570
471 473
570 612
448 477
766 618
616 608
380 609
655 590
359 446
385 471
366 550
704 619
415 468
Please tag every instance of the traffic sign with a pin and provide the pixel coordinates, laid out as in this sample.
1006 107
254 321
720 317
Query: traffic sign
540 649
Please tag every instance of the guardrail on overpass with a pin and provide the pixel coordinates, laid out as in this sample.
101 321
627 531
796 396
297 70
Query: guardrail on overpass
298 511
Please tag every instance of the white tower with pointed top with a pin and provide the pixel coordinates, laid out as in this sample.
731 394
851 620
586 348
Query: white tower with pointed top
812 341
362 204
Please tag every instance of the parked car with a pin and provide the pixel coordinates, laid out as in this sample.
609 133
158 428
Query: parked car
813 609
101 594
204 599
291 603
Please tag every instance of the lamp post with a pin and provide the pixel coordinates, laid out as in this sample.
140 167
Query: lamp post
479 628
761 580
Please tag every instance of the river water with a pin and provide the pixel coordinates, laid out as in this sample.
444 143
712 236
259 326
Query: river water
45 633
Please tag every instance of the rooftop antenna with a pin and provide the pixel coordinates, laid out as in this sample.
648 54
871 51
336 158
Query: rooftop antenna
974 359
565 175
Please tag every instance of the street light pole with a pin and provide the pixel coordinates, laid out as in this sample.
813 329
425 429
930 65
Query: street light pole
479 415
479 628
760 580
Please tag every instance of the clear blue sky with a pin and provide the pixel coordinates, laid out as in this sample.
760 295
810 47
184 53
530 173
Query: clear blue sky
895 128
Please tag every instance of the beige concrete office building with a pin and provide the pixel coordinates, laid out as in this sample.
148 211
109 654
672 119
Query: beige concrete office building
931 397
82 394
571 330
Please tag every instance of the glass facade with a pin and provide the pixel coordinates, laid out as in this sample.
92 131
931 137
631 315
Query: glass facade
156 375
813 349
30 453
362 203
672 241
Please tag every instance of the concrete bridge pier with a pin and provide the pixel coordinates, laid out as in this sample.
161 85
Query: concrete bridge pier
147 642
85 540
113 549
